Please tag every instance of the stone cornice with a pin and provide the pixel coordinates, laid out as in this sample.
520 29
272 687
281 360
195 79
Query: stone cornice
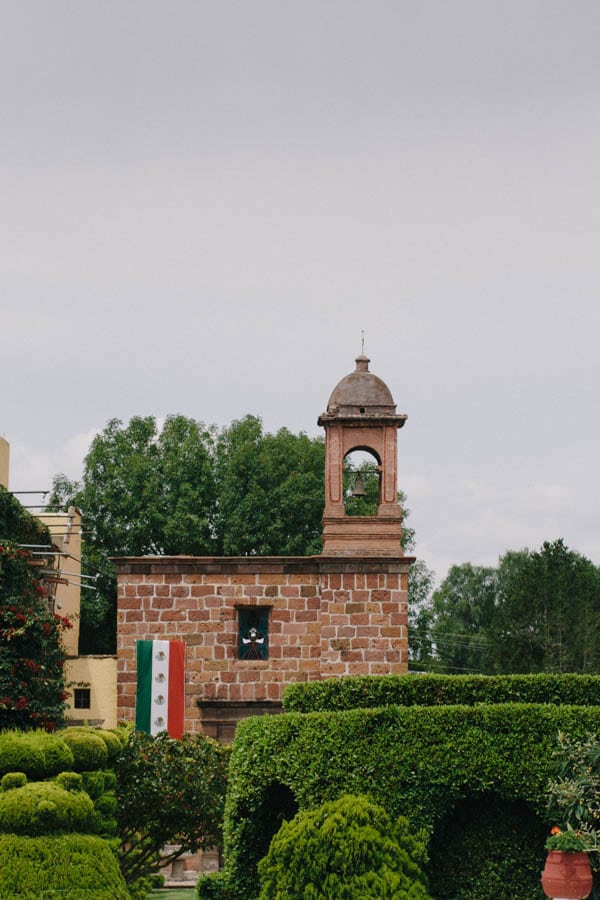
259 565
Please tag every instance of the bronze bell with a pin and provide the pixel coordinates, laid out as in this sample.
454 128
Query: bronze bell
359 487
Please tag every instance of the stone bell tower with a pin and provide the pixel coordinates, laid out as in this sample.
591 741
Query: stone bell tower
254 624
361 415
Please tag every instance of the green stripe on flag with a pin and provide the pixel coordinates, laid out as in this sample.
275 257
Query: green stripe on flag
143 692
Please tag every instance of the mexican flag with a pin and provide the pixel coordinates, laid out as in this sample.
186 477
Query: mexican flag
159 699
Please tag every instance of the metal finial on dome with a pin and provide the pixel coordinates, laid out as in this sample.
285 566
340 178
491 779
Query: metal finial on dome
362 361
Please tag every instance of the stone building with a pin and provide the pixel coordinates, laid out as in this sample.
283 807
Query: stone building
253 625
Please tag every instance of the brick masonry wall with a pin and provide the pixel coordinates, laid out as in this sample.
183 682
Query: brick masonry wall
328 617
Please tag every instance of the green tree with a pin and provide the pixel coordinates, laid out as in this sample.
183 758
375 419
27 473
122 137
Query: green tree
270 491
344 849
547 616
462 612
537 611
143 491
169 792
187 487
420 643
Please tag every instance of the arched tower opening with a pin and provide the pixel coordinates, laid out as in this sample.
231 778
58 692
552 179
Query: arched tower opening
362 482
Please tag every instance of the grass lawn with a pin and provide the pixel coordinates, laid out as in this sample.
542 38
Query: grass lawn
173 893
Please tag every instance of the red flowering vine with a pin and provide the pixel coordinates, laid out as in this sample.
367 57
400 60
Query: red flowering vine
32 686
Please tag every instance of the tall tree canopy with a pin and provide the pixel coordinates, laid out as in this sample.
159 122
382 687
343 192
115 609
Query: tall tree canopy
548 614
270 491
195 489
144 491
537 611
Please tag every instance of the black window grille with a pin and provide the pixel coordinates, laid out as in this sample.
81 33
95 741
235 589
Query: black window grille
253 632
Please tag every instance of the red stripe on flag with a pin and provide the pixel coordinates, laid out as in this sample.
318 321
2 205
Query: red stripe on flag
176 688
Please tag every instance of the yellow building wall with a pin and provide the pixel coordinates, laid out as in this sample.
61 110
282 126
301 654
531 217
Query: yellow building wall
99 674
65 531
4 457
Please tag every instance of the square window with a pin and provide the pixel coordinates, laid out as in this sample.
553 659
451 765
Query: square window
253 632
81 698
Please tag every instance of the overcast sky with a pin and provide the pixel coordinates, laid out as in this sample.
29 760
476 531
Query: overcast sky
204 203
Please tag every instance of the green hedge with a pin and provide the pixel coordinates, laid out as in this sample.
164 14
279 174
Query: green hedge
368 692
491 849
416 761
75 866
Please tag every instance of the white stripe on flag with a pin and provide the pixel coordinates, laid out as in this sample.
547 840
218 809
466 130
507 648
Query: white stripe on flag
159 703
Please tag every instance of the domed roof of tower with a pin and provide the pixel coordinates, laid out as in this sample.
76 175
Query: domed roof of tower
361 393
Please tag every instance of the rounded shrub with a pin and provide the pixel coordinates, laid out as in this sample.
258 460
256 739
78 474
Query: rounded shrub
70 781
123 732
113 744
45 807
344 849
73 866
57 755
94 783
18 753
106 805
88 748
213 886
13 780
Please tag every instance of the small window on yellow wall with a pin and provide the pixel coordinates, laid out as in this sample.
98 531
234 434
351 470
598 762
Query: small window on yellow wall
81 698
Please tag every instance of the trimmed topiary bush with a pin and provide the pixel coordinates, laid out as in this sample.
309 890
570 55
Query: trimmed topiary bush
88 748
214 886
369 691
13 780
113 744
37 753
18 753
57 755
70 781
97 783
100 786
74 866
344 849
123 732
45 808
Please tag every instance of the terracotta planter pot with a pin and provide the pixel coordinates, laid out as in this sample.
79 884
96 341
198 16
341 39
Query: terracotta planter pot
567 875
